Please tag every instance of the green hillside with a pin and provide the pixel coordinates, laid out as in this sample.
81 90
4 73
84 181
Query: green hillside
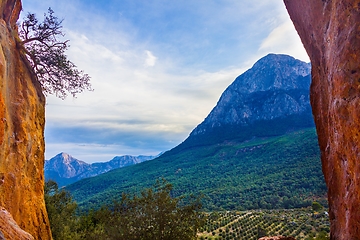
267 173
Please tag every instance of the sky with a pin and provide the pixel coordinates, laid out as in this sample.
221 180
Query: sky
157 67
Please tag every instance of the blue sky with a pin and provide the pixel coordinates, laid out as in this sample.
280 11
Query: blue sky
158 67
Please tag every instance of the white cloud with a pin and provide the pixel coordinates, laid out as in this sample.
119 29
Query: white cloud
150 59
284 39
131 104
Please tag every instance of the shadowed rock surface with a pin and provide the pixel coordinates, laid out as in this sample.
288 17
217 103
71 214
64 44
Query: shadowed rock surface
330 32
22 122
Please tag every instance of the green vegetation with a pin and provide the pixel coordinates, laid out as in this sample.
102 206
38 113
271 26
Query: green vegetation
317 206
154 214
259 129
261 173
251 225
61 210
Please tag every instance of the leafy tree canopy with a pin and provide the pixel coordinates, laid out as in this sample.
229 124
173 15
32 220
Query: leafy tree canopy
153 214
45 51
61 211
316 206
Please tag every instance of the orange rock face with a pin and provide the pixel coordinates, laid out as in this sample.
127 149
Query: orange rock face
22 120
330 32
10 229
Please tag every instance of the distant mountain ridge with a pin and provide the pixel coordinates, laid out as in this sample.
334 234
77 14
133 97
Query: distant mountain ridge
65 169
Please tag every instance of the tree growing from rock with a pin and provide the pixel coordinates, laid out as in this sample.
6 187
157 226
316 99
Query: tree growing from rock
45 50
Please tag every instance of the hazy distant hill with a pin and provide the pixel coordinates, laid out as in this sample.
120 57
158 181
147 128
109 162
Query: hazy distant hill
65 169
256 149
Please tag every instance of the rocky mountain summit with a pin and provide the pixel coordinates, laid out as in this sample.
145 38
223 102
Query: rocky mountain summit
65 166
65 169
277 86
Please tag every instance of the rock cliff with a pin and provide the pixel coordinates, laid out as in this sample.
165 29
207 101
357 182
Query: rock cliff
330 32
21 132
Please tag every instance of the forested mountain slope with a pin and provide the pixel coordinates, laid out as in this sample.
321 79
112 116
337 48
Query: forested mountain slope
276 172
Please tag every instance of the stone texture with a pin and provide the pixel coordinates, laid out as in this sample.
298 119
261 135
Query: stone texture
9 228
22 120
330 32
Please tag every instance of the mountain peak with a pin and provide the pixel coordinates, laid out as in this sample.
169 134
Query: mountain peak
65 165
275 88
63 156
274 71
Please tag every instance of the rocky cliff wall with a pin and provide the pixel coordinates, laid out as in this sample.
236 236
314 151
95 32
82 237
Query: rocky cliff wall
22 122
330 32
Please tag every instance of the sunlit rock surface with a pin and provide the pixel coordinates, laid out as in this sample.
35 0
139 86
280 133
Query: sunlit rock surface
330 32
21 132
9 228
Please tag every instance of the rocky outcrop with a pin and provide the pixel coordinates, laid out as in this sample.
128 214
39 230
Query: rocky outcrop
9 228
330 32
21 132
